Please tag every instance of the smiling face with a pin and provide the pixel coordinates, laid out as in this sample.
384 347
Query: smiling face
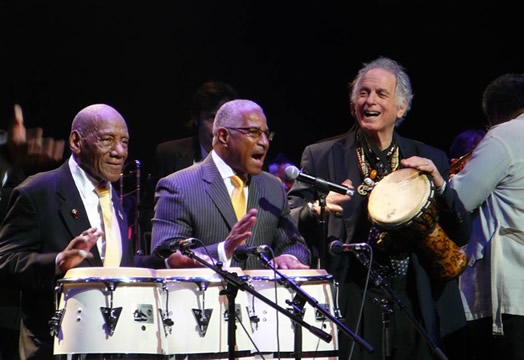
100 147
376 108
244 152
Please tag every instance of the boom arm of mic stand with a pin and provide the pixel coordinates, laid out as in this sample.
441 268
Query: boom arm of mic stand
233 279
313 302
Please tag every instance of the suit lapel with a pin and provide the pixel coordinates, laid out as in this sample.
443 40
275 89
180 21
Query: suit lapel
215 188
72 209
343 160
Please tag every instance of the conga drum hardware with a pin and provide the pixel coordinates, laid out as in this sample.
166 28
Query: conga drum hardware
112 314
56 319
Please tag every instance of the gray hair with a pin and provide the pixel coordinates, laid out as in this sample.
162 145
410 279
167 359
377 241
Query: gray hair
230 113
403 90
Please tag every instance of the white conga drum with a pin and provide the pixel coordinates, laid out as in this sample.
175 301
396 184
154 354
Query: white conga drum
110 311
199 314
315 282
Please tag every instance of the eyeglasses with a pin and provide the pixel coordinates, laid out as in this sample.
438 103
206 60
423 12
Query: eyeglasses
253 132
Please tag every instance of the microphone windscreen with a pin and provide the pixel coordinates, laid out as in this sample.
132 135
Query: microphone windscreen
336 247
241 253
292 172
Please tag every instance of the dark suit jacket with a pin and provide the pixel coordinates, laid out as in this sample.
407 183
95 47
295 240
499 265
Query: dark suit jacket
194 202
336 160
39 224
170 156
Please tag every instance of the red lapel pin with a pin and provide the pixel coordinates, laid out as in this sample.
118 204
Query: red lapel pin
74 212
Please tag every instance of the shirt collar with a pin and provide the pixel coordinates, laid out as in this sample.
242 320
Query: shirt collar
84 182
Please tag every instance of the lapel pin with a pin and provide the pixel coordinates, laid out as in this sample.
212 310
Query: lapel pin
74 212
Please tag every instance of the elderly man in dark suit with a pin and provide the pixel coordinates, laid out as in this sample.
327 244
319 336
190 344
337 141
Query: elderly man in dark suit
380 97
200 201
55 223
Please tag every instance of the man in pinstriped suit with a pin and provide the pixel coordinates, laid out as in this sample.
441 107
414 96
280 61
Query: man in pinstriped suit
196 201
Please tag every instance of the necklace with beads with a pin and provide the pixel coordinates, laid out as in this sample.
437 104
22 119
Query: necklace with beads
374 164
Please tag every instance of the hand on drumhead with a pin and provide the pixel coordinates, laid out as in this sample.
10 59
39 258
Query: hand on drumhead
240 232
426 165
286 261
78 249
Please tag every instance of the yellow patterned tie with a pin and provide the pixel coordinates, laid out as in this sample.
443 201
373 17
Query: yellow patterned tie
112 249
238 198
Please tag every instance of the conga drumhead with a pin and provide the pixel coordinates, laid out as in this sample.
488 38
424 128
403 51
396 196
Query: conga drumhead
398 197
108 272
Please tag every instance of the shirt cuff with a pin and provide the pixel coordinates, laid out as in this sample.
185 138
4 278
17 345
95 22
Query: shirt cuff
221 249
441 189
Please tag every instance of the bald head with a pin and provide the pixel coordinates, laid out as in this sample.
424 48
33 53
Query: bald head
90 115
99 141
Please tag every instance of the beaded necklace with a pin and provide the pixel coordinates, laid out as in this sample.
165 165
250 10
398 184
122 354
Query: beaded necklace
374 164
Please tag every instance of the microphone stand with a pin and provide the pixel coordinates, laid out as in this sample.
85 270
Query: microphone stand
323 228
386 287
234 283
301 297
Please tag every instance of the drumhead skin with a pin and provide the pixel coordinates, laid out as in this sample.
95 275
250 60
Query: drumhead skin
399 196
107 272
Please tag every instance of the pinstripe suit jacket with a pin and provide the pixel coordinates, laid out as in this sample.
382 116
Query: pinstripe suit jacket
194 202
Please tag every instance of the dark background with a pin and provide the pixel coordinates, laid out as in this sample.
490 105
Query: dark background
295 58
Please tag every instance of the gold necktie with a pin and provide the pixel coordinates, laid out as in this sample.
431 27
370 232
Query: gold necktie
112 249
238 198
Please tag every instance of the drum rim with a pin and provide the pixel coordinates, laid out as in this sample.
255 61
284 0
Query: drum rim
406 219
115 279
296 278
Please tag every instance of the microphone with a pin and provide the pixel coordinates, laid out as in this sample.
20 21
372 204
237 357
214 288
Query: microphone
173 245
242 252
293 173
338 247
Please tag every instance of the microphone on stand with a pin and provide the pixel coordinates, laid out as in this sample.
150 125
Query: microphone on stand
337 247
242 252
293 173
174 245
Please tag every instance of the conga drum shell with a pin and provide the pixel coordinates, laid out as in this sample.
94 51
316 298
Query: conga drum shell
318 284
199 312
110 311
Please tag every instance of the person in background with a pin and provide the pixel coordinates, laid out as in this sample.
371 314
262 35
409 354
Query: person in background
277 166
465 142
226 200
380 98
174 155
461 148
491 186
64 218
23 152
